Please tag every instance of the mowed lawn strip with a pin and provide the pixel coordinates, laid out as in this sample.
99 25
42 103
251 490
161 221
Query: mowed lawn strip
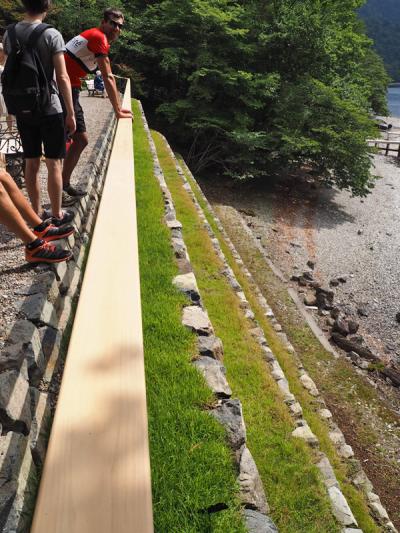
192 467
297 498
313 356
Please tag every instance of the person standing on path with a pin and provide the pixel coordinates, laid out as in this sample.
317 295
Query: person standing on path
86 53
46 126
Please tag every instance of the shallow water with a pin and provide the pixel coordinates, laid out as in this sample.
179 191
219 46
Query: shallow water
393 95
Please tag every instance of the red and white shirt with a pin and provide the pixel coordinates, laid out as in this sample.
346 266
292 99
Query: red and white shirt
82 52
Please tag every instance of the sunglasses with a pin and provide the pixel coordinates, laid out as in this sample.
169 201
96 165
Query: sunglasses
115 24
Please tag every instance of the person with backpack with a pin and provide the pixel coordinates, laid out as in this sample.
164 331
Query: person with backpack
33 75
16 213
85 54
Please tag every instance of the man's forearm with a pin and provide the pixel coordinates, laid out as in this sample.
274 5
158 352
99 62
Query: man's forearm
111 88
65 90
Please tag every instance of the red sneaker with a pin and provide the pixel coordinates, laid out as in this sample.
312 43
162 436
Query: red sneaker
53 233
46 253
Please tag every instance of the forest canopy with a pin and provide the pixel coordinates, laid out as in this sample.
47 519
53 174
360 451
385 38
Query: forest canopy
251 88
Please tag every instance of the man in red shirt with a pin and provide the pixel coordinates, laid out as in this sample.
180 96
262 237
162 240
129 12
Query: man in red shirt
85 54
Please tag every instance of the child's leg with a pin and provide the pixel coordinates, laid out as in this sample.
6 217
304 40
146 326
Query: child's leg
10 217
19 200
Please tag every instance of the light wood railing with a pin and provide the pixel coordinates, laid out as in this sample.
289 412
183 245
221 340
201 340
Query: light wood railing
96 476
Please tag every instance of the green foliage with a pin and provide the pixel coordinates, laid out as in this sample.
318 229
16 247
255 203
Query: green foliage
249 88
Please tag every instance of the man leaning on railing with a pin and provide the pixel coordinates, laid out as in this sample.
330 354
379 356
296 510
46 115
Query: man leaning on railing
86 53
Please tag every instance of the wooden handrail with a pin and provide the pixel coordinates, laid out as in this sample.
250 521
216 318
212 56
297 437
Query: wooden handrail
96 477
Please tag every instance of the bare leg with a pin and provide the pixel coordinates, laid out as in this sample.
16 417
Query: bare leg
32 182
10 217
54 185
74 153
19 200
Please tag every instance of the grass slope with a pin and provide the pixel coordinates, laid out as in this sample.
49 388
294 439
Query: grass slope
192 467
296 496
314 358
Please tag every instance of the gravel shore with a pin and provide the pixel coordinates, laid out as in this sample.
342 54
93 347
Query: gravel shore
358 239
15 274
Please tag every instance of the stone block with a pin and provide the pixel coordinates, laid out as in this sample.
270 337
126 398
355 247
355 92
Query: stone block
211 347
12 452
296 410
22 331
19 515
327 472
346 451
309 384
179 247
187 284
304 432
258 523
268 354
44 283
37 309
173 224
229 413
214 374
341 508
325 414
40 428
197 320
337 437
251 491
65 313
11 357
14 401
276 371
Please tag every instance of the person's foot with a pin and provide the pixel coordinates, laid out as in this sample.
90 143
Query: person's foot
74 191
67 200
66 218
48 232
41 251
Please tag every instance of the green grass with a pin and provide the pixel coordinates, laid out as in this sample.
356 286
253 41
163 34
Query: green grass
296 496
192 467
314 358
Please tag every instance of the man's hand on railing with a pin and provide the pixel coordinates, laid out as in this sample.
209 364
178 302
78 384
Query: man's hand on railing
124 113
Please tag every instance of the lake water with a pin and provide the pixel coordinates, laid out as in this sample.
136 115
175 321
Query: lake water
394 101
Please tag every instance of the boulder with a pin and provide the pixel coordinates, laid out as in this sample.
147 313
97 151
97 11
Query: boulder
214 374
229 413
258 523
340 325
197 320
251 488
341 508
305 433
187 284
210 346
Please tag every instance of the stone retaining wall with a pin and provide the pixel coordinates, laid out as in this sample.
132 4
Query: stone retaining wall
339 504
31 361
340 507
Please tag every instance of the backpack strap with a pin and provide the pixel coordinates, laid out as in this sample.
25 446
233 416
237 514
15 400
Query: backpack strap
36 33
12 35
